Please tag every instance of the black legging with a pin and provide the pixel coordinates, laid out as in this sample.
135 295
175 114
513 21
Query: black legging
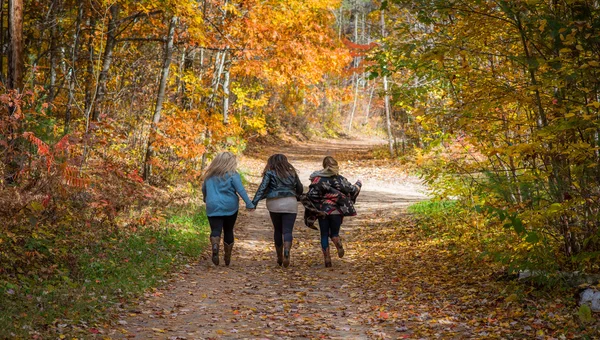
283 224
218 223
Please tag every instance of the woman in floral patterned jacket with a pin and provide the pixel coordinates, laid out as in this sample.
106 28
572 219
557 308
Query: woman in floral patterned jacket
333 195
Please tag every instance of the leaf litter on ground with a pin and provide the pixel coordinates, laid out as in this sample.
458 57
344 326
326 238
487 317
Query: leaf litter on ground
394 282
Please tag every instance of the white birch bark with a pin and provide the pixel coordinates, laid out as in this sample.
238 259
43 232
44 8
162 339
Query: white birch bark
160 97
386 94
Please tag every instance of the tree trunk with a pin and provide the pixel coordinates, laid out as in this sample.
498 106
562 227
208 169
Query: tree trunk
226 94
15 82
368 108
2 79
160 97
355 77
341 22
73 69
111 41
219 66
179 84
188 64
354 104
201 64
403 122
15 45
52 89
89 76
388 121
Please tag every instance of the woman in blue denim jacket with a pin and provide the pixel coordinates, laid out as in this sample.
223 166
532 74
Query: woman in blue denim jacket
220 189
280 186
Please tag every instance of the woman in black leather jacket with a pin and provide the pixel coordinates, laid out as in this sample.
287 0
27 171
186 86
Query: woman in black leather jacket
280 186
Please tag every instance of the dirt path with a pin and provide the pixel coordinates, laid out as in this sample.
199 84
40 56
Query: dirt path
254 298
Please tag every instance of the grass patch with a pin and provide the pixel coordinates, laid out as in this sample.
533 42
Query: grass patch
434 216
453 226
103 275
431 208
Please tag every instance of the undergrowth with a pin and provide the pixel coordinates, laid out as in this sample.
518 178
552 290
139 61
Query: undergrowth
480 239
468 233
112 270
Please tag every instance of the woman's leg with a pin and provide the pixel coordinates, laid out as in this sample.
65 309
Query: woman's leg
277 236
287 222
277 228
335 223
216 227
228 224
324 226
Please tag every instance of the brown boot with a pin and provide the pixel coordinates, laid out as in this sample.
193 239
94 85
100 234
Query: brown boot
215 242
286 253
338 245
327 257
279 254
227 256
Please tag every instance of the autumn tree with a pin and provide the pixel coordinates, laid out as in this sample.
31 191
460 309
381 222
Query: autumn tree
508 89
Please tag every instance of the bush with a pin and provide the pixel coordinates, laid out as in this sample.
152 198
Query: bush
77 290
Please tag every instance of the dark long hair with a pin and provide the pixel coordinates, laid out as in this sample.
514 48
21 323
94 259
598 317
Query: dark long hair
279 164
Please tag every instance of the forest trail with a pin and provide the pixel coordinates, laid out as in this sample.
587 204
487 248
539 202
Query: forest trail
254 298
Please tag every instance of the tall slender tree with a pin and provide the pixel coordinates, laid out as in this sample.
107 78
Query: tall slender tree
160 98
15 45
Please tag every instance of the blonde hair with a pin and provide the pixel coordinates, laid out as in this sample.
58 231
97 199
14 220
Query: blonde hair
329 163
224 163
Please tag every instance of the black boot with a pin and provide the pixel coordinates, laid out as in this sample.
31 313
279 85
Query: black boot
227 256
286 253
279 254
215 242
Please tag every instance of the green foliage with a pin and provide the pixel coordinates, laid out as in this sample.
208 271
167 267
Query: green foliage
101 274
585 314
503 98
481 233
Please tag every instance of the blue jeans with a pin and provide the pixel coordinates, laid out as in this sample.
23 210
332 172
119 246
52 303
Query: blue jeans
283 224
330 227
